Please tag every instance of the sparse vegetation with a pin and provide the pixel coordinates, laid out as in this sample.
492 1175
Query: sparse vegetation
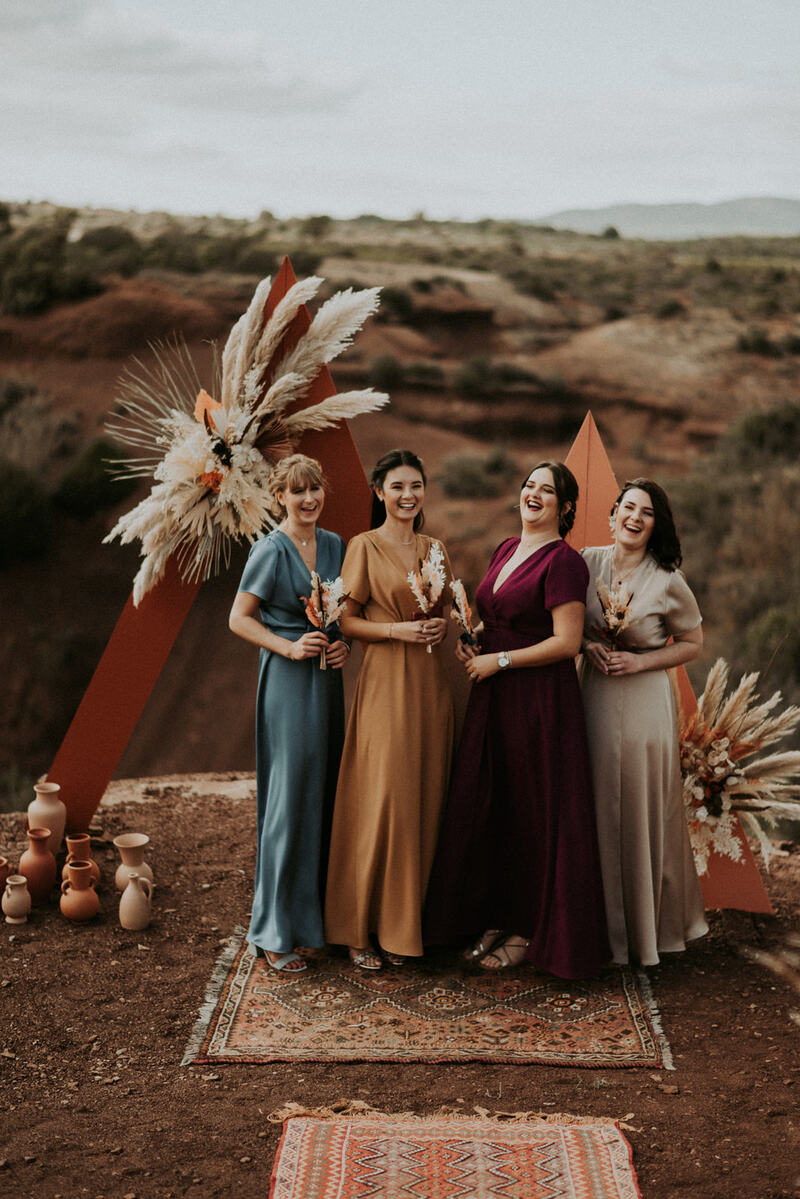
25 516
482 376
476 476
39 267
89 486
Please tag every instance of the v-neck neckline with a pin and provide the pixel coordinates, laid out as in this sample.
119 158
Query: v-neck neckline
387 547
299 556
497 589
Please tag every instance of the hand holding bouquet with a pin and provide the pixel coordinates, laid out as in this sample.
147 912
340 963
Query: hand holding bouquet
428 582
324 605
462 613
615 604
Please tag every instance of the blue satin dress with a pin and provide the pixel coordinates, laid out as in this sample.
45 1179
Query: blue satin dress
299 734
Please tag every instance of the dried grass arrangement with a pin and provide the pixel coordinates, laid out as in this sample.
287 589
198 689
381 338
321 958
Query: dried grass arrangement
211 459
725 772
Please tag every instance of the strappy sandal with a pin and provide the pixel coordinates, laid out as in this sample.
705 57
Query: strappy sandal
365 959
285 963
394 959
483 946
507 955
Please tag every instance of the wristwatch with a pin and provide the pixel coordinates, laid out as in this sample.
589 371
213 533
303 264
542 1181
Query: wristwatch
504 659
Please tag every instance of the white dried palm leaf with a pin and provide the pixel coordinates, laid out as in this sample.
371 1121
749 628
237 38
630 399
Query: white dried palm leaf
328 412
713 692
285 311
331 331
783 765
244 336
762 729
282 393
754 825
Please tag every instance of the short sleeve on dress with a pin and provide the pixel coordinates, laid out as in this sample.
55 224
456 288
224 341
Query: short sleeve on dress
260 569
681 612
567 578
355 570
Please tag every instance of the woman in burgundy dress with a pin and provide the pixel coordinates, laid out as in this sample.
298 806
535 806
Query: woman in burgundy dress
517 854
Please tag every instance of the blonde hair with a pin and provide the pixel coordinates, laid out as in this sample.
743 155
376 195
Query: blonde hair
293 473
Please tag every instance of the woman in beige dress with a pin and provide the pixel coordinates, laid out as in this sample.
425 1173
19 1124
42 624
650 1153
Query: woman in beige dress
653 900
398 745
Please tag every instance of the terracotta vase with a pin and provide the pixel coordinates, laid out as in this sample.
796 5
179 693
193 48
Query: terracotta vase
78 897
134 907
79 849
5 869
16 901
48 811
131 848
38 865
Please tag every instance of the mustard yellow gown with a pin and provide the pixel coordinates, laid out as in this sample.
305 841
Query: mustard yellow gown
395 765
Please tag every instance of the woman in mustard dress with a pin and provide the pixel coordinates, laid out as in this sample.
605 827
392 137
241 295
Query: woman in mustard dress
398 746
653 900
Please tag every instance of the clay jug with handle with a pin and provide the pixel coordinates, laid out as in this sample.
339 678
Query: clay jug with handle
38 865
131 848
16 901
134 907
79 900
48 811
79 849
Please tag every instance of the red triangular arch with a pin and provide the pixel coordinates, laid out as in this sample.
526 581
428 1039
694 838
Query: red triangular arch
143 637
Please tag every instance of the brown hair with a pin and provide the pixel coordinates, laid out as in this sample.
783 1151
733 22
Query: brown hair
664 543
291 474
566 486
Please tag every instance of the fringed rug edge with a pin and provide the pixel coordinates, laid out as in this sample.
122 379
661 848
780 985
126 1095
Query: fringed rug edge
655 1019
214 988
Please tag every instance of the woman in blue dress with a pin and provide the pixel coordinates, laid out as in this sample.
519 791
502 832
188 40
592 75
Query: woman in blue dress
299 715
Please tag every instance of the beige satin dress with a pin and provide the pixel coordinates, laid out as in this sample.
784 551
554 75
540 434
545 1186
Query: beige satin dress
653 900
395 765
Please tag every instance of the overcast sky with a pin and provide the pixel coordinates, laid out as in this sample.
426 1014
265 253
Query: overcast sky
462 108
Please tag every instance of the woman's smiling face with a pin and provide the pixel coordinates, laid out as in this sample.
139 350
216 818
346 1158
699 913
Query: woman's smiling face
303 504
634 519
402 492
538 502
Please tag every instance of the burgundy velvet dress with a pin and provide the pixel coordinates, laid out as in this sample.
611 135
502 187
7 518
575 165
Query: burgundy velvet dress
518 844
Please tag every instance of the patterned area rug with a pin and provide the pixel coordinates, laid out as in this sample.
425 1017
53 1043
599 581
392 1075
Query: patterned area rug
391 1156
429 1011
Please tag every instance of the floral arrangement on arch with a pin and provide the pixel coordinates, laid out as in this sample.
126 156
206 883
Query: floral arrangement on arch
725 773
211 459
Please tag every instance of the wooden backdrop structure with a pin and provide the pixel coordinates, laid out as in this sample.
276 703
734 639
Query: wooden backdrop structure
727 884
143 637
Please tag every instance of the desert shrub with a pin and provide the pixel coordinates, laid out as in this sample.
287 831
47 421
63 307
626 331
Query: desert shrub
480 376
396 304
425 374
611 233
790 344
5 219
174 250
39 267
256 260
386 373
114 249
756 341
615 312
758 437
468 475
316 227
670 308
88 485
15 788
34 433
25 516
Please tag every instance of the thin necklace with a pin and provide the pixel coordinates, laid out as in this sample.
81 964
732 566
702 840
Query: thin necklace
296 538
620 578
394 540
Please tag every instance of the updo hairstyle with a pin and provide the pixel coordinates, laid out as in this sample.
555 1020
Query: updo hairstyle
382 467
566 486
293 474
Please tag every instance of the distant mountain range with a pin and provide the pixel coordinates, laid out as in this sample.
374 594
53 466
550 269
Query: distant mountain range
759 216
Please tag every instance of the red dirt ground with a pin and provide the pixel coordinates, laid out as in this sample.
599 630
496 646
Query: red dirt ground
95 1020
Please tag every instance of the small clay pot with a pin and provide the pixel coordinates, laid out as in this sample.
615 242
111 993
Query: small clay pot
47 810
134 907
38 865
79 849
131 848
79 900
16 901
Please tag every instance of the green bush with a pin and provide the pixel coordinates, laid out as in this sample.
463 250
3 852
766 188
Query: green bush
25 516
316 227
386 373
670 308
114 249
468 475
88 486
174 250
396 304
756 341
39 267
480 376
